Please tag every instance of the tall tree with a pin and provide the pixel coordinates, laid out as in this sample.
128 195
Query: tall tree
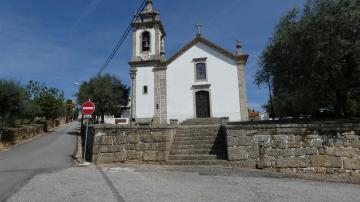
70 108
12 96
313 58
45 101
107 92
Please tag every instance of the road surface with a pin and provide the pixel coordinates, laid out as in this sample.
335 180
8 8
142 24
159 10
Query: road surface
41 171
163 184
51 152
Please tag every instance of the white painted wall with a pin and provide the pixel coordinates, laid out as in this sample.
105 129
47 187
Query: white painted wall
144 102
221 75
139 41
110 119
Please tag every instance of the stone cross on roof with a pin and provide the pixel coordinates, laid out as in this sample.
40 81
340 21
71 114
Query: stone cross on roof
148 5
198 29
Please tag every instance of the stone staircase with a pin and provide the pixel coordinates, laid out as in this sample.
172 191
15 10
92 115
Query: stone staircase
198 145
203 121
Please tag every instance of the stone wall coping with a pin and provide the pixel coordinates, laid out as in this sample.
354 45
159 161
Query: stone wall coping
22 127
128 127
310 126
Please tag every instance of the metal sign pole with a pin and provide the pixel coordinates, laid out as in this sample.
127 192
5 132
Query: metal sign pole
84 163
88 108
86 134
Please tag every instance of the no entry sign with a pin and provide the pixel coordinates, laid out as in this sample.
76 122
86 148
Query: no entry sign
88 108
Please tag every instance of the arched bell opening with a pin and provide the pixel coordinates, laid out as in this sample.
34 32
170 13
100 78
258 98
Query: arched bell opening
145 41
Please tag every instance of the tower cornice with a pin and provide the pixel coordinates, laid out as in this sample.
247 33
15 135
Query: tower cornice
158 62
151 24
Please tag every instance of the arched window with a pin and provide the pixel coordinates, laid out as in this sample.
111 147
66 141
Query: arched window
145 41
200 71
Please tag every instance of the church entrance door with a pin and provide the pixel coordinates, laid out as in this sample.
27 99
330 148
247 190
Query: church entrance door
202 104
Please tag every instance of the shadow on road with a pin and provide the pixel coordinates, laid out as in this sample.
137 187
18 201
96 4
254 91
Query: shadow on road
117 195
73 133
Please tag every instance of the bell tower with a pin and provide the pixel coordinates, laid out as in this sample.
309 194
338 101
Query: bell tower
148 68
148 35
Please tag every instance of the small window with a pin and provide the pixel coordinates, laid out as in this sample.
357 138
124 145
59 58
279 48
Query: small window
145 90
145 41
200 71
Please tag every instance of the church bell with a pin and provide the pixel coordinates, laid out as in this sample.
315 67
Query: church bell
146 44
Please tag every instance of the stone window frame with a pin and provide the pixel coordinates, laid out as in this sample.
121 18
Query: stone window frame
145 90
141 41
197 88
197 61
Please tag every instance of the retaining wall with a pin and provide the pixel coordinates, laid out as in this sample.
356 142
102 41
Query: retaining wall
320 148
13 135
114 143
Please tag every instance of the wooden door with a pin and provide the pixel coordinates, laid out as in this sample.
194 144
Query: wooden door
202 104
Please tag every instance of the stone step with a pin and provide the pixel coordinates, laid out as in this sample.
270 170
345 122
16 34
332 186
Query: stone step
197 129
199 142
200 126
194 138
197 151
201 146
217 162
203 121
197 134
197 157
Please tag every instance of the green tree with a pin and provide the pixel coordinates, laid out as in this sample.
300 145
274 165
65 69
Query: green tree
12 97
44 101
107 92
312 60
70 109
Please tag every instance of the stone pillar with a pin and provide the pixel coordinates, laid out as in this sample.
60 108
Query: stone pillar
242 91
160 96
133 93
134 44
157 42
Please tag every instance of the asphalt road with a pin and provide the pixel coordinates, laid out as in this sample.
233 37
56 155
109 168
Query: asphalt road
48 153
41 171
164 184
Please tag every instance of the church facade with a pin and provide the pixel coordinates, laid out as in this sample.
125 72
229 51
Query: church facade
201 80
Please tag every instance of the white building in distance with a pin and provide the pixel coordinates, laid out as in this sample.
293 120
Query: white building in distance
201 80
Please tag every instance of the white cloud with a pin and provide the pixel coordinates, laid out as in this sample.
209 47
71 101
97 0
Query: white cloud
88 10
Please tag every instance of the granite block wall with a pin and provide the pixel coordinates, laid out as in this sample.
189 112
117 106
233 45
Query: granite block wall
112 144
319 148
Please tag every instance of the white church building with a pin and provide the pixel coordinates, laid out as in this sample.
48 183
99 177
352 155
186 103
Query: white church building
201 80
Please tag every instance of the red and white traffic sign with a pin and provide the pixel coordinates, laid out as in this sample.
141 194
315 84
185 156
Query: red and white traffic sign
88 108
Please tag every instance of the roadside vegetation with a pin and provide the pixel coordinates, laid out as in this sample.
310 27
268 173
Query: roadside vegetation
107 92
312 60
32 102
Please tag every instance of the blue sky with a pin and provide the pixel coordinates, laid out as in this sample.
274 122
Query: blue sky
67 41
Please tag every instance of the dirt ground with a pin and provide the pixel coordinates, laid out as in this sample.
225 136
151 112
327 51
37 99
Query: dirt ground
2 147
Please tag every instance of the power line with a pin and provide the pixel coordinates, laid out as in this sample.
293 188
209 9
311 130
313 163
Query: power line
123 37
